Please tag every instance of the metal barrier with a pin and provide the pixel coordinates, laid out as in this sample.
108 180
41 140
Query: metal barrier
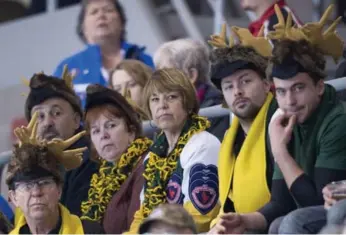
215 111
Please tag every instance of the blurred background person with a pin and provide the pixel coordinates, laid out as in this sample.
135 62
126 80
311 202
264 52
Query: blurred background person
102 27
168 219
129 78
192 57
265 14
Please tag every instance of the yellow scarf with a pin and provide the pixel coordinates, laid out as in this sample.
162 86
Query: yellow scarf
159 169
250 189
70 224
107 182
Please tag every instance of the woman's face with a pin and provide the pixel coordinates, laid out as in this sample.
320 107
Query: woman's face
101 21
122 82
110 136
167 110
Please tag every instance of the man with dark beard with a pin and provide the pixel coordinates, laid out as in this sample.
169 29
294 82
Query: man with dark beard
59 116
245 168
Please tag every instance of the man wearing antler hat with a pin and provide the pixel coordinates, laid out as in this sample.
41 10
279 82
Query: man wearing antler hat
316 130
35 178
245 164
308 133
59 116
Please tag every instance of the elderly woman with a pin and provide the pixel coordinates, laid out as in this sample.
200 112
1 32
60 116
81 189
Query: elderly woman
101 26
116 134
35 177
192 58
131 76
181 167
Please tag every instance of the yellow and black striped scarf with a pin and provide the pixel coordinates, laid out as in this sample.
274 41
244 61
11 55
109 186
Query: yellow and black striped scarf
108 180
159 167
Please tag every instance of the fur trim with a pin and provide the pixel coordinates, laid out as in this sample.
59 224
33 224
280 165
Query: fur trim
307 55
28 157
43 87
239 52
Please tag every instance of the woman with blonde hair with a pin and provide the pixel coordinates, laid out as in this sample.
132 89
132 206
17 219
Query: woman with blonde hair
118 144
131 75
181 167
129 79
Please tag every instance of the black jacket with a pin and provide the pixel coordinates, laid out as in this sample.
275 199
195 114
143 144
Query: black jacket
77 181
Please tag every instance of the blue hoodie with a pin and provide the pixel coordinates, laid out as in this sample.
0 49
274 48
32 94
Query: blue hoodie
89 63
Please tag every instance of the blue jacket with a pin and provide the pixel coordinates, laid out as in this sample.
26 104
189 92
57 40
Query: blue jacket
6 209
88 64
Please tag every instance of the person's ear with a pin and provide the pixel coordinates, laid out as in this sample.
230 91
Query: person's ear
320 86
13 197
193 75
76 120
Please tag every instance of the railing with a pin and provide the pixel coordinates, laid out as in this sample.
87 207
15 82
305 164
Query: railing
215 111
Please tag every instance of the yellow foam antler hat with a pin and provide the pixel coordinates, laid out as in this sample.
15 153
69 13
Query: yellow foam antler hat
245 38
328 41
70 159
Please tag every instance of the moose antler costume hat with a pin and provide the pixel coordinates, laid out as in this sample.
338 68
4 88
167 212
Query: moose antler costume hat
303 49
33 158
249 53
43 87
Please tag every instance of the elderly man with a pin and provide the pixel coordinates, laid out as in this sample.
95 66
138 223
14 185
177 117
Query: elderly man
59 116
35 178
192 58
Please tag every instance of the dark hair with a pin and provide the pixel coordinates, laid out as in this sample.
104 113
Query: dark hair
33 161
304 53
81 17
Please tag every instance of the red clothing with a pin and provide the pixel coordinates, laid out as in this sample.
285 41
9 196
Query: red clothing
269 19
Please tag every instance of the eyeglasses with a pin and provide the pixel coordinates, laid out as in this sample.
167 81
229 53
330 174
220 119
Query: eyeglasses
28 186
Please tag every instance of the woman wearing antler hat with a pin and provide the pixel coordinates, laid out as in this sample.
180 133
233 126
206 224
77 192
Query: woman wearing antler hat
118 144
308 133
181 167
35 178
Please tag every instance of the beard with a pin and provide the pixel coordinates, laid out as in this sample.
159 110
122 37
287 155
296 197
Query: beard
249 112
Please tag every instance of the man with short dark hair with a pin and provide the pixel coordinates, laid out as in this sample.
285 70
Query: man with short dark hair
308 132
245 164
